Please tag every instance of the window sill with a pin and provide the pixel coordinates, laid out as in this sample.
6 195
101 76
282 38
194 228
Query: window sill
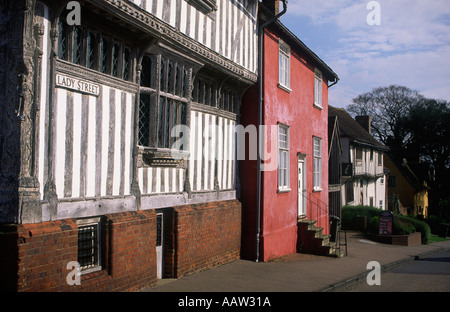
91 270
283 87
317 189
319 107
283 190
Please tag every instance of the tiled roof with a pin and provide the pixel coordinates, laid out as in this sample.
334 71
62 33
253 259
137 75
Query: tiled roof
350 128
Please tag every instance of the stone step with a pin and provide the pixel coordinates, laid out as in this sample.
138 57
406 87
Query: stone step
319 243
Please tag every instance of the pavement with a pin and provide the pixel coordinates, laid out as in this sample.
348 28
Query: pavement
302 272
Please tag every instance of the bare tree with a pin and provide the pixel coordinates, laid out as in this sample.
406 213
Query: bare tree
388 107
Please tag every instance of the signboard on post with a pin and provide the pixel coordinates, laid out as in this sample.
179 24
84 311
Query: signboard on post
386 221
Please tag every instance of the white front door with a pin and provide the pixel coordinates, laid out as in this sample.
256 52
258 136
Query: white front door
159 245
301 187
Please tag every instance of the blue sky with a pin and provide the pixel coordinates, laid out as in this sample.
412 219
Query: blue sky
411 47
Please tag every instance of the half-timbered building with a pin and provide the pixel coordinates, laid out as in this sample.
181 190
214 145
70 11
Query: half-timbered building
117 140
363 176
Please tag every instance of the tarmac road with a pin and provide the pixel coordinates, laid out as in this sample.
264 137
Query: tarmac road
430 274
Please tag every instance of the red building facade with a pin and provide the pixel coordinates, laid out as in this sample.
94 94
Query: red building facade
295 114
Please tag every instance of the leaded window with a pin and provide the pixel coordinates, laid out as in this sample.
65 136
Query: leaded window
144 119
126 64
84 46
172 100
167 100
146 72
62 39
115 60
91 51
204 92
171 114
103 55
228 100
77 44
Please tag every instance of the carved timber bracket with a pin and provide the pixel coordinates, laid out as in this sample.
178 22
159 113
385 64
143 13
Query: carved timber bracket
167 33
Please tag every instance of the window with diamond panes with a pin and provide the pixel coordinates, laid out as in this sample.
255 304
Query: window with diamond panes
146 72
91 51
77 44
85 47
144 119
126 64
170 101
204 92
228 100
62 39
103 55
172 110
171 114
144 101
115 60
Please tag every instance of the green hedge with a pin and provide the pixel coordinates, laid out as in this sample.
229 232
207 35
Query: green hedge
403 225
350 215
420 226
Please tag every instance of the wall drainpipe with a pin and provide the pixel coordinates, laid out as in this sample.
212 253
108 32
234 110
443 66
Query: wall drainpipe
260 112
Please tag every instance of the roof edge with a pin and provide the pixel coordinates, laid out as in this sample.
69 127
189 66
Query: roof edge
322 65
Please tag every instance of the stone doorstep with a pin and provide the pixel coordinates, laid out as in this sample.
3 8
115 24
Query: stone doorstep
323 245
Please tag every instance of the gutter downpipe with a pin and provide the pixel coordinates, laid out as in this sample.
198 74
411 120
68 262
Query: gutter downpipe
260 112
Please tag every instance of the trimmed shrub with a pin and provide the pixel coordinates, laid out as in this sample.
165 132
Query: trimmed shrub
350 215
373 225
420 226
403 225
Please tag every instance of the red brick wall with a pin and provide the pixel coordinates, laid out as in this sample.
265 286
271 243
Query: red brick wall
35 256
204 236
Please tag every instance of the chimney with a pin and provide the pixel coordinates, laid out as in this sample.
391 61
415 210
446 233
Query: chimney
364 121
272 5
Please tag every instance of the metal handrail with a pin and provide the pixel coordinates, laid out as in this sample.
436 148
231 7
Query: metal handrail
320 212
